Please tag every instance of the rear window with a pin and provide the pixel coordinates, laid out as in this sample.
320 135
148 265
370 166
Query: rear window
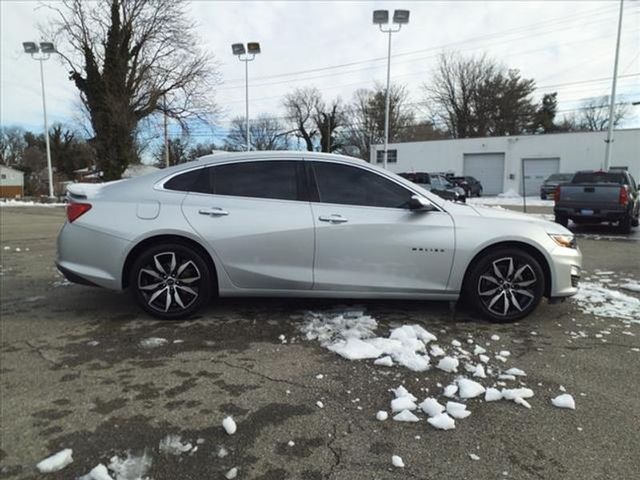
599 177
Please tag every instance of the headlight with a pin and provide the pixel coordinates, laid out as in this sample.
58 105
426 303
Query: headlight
568 241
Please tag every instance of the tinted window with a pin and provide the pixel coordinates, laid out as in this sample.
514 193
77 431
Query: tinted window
275 179
192 181
599 177
355 186
392 156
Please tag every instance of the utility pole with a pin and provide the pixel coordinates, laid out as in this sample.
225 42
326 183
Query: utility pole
166 135
609 140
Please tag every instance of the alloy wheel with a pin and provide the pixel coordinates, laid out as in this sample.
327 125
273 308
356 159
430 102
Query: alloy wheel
169 283
507 286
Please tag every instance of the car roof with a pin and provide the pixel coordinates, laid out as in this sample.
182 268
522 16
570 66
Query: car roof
274 154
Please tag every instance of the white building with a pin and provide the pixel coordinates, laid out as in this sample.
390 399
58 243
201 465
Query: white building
11 182
498 162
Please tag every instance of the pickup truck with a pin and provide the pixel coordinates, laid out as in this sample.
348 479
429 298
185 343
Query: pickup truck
595 196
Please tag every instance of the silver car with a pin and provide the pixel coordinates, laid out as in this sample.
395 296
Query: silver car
303 224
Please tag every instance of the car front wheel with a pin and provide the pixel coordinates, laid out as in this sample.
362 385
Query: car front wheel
171 281
505 285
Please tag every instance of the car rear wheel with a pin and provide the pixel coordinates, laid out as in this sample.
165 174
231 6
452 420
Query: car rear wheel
171 281
625 224
505 285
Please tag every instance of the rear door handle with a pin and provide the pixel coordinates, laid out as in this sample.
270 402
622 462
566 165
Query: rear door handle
213 212
335 218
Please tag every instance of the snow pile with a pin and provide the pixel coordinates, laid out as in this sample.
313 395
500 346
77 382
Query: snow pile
631 285
130 468
596 299
564 401
56 462
510 198
351 335
173 445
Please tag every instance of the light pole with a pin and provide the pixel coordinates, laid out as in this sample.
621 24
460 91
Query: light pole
609 140
45 49
380 18
246 56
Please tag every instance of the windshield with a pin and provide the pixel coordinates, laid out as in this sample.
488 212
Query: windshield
560 177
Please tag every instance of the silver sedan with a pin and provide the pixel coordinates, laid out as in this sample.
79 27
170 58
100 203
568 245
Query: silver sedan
306 225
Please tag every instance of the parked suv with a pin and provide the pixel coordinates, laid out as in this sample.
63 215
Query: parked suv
436 183
549 185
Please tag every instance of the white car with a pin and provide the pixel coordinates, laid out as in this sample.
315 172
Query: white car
303 224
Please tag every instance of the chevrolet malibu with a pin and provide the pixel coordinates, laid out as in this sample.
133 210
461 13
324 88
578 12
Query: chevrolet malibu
301 224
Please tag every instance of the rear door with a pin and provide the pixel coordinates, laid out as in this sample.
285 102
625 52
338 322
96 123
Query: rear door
368 240
254 216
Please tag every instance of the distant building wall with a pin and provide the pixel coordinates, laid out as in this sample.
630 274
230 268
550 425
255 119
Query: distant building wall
11 182
565 152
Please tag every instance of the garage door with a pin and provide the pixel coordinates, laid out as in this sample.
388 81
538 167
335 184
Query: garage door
536 171
488 168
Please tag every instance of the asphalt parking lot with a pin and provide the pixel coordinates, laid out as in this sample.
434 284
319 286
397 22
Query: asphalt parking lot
75 373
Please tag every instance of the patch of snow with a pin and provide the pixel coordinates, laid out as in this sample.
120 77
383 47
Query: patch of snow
516 372
229 425
492 395
406 416
385 361
396 461
320 404
457 410
130 468
478 350
291 443
99 472
478 371
431 407
448 364
631 285
56 461
510 198
382 415
355 349
495 337
473 456
231 474
222 452
442 421
153 342
28 203
402 403
595 299
564 401
401 391
436 351
469 388
484 358
450 390
173 445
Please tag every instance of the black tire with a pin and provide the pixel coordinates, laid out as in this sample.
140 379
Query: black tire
635 222
562 220
480 193
512 297
171 281
543 196
624 225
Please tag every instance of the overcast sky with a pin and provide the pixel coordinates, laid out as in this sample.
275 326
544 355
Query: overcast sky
565 46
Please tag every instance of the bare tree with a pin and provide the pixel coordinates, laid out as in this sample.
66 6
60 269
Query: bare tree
301 107
594 114
476 97
266 133
131 59
12 145
365 119
330 119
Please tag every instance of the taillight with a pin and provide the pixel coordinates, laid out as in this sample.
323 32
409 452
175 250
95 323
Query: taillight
624 195
75 210
556 194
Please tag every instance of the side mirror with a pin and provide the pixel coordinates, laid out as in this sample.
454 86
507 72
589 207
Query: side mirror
420 204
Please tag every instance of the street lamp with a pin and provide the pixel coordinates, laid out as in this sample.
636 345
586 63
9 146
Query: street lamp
246 56
380 18
45 49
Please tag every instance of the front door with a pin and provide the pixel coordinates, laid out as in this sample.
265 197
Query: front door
368 240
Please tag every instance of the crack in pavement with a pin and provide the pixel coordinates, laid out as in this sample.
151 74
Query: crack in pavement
262 375
336 452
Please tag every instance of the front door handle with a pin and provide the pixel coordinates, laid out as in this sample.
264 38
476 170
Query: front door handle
213 212
335 218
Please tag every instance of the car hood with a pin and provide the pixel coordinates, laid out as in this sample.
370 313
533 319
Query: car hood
500 213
